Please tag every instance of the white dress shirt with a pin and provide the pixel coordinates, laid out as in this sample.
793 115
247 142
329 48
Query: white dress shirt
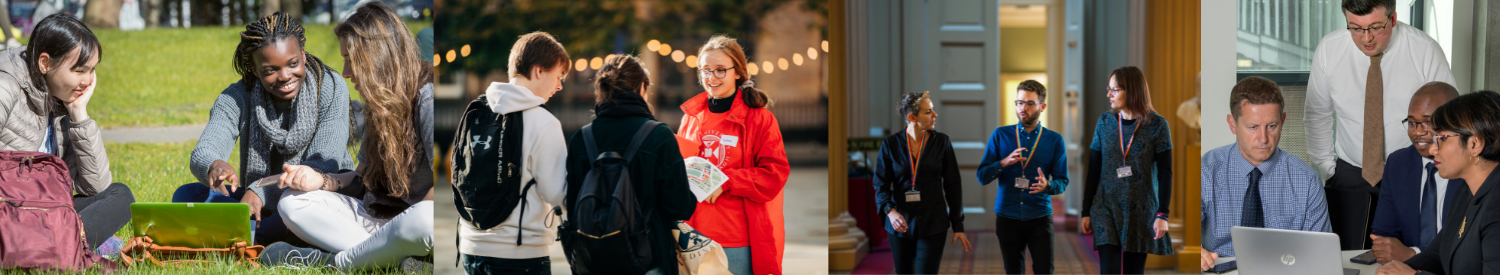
1336 88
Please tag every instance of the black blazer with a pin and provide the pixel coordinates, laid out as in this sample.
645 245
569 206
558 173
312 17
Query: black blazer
1399 212
941 206
1468 244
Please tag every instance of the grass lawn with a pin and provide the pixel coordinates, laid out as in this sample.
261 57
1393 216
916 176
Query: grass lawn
170 76
153 171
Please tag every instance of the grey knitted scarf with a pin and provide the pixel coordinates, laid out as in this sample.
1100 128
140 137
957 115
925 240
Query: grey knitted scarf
266 135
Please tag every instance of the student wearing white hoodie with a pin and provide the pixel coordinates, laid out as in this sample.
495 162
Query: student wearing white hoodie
538 64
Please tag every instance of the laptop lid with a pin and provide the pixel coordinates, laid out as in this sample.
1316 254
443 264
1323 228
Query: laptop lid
1279 251
194 225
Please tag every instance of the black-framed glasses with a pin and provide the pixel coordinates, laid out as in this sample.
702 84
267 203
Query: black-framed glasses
719 73
1410 125
1026 104
1367 31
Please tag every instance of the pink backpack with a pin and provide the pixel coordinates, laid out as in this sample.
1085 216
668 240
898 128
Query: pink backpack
39 229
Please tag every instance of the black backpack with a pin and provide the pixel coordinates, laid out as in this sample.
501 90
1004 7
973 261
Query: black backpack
487 165
608 229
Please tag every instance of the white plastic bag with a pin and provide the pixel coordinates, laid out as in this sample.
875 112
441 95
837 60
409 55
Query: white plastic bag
698 255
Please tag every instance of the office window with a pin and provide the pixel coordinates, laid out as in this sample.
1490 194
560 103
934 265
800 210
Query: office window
1280 35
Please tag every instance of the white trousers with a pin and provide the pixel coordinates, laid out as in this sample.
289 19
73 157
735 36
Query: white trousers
339 224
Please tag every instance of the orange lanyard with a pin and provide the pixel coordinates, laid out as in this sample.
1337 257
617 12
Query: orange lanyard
915 158
1126 149
1033 145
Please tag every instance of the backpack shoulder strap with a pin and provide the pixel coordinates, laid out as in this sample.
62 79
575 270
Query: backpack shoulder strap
640 136
588 143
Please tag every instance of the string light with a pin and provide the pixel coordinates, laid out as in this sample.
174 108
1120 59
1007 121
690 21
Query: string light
665 49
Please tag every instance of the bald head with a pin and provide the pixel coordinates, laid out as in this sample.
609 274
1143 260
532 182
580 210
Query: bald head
1419 114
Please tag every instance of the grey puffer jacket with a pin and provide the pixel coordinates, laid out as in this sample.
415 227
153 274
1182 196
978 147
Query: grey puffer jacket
23 127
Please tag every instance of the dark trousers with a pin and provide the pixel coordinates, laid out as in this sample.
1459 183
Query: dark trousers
1348 177
270 229
104 213
918 255
490 265
1112 260
1016 236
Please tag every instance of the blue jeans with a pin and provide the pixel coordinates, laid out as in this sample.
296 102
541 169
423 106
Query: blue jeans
269 230
739 260
490 265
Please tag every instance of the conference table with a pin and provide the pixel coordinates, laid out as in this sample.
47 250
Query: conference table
1344 256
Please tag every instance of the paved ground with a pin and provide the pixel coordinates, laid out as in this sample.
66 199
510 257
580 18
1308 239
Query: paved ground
806 219
178 133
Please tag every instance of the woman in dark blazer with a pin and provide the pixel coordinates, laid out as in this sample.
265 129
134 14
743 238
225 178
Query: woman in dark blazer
1466 133
919 215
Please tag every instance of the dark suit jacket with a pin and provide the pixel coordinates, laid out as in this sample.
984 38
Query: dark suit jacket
1399 210
1470 241
941 204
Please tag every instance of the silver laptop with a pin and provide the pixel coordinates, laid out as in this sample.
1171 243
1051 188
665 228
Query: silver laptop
1278 252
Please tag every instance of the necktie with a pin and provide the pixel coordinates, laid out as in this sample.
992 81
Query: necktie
1374 156
1429 207
1250 213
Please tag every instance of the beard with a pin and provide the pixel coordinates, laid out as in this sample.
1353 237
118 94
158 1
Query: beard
1030 119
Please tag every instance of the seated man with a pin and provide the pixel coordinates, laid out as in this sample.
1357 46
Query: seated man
1413 199
1246 181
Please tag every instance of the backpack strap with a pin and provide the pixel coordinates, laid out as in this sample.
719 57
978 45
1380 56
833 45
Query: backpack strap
588 143
640 136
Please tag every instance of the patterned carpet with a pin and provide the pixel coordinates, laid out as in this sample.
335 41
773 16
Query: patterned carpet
1072 254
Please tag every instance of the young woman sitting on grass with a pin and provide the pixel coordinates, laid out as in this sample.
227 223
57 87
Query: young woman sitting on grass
44 95
287 108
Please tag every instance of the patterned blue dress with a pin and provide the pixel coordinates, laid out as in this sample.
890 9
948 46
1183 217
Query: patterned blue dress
1124 209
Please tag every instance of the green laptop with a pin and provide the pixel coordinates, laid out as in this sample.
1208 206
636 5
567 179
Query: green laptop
194 225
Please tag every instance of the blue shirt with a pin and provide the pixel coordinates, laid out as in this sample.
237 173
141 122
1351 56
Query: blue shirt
1291 195
1049 155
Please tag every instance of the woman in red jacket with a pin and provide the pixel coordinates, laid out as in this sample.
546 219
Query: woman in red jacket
740 136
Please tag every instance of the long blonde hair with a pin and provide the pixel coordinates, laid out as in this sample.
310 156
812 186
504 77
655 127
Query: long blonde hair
383 54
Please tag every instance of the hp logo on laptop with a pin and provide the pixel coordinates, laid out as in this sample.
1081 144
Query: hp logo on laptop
1287 259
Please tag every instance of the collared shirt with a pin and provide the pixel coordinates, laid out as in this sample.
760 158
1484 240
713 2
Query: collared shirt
1050 155
1336 86
1291 195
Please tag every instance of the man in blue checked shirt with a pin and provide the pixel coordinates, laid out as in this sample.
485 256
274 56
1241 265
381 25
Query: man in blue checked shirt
1251 182
1030 163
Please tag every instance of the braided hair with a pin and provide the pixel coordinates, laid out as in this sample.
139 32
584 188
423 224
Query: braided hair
265 32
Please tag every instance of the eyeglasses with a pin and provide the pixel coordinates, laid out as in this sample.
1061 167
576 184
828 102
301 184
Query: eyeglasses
1438 140
1368 31
1411 125
1026 104
1114 90
719 73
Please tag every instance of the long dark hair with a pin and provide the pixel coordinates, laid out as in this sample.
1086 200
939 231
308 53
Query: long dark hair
264 32
1137 94
55 36
753 96
621 74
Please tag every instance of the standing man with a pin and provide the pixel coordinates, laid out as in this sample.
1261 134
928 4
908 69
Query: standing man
1365 75
1253 183
1413 198
1033 169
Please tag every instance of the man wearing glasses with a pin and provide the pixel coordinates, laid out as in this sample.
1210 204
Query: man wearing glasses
1364 75
1029 161
1412 199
